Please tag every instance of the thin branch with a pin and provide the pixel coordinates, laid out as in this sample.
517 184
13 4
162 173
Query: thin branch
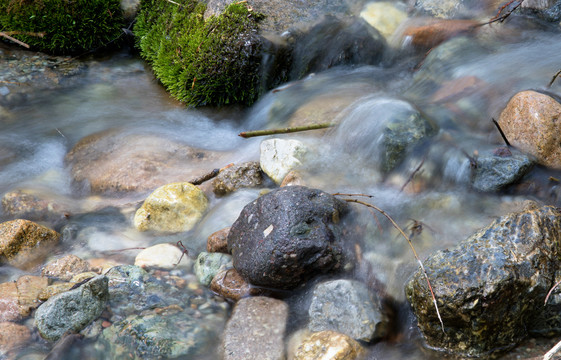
214 173
550 291
412 248
21 43
501 132
413 174
500 17
549 355
248 134
557 74
343 194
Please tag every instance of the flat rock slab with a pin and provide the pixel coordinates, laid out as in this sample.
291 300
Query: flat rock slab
256 330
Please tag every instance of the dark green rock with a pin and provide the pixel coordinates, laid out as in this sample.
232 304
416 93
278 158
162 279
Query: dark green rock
72 310
491 288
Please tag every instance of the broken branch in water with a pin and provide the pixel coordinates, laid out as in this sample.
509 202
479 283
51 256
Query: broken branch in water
501 132
412 248
500 17
248 134
201 179
550 291
413 174
557 74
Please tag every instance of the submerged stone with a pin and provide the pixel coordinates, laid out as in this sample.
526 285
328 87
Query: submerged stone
289 235
496 171
492 286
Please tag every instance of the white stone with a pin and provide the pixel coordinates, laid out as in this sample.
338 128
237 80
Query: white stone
279 157
162 256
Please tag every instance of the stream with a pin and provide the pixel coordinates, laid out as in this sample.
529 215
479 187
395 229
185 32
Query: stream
118 91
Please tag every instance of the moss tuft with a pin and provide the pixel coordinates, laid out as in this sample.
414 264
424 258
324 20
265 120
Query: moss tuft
201 62
70 26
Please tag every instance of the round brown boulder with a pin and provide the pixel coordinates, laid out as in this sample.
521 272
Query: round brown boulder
531 122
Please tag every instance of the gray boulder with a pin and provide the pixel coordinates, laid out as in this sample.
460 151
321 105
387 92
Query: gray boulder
492 286
72 310
289 235
502 168
347 307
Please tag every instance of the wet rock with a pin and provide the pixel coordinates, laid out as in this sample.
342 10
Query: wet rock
256 330
289 235
162 256
72 310
531 121
24 204
230 285
499 170
12 336
384 16
382 130
491 287
348 307
156 336
19 298
280 15
427 33
109 162
293 178
174 207
54 289
207 265
278 157
25 244
65 267
246 175
329 345
456 8
218 241
549 10
336 41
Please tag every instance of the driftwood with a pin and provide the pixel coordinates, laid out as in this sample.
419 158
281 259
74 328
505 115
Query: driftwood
248 134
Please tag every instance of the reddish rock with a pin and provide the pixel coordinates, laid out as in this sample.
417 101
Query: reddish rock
428 33
19 298
230 285
113 162
12 336
256 330
531 121
27 205
25 244
66 267
218 241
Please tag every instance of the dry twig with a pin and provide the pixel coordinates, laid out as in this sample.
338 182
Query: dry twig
412 248
413 174
248 134
557 74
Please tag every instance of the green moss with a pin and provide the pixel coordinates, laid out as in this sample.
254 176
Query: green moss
201 62
70 26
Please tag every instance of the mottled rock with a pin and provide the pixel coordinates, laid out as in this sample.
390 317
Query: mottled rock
500 169
156 336
54 289
549 10
246 175
162 256
65 267
531 121
9 307
289 235
25 244
172 208
23 204
348 307
19 298
456 8
278 157
72 310
218 241
383 16
329 345
230 285
491 287
111 161
207 265
12 336
256 329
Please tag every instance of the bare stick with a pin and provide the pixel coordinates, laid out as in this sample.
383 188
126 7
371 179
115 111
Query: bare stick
550 291
343 194
208 176
248 134
413 174
499 17
501 132
3 34
412 248
553 78
550 353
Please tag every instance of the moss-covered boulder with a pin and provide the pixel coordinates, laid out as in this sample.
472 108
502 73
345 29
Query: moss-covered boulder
62 26
201 62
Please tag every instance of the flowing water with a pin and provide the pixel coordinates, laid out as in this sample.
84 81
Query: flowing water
119 92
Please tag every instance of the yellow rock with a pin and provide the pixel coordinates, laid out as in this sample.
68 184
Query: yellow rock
383 16
329 345
174 207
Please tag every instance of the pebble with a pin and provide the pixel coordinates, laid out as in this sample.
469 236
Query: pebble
208 265
65 268
162 256
217 242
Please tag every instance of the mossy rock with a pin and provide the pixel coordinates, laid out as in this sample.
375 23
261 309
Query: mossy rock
69 27
202 62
